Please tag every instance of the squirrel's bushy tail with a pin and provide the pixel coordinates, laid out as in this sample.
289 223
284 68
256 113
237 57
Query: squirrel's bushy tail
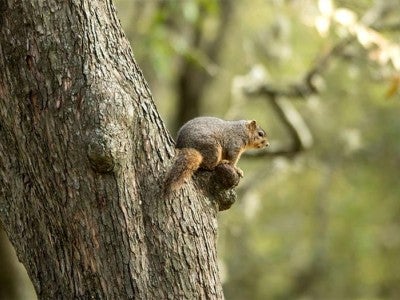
186 163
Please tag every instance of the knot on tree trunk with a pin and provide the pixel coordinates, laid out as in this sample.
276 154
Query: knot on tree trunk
100 157
218 184
107 147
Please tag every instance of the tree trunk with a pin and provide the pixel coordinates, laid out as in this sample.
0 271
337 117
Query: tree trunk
194 77
83 153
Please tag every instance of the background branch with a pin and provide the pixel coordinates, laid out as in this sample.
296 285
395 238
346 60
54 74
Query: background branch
306 86
277 95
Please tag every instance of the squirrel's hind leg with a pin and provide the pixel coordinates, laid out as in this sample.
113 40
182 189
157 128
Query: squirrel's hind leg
212 156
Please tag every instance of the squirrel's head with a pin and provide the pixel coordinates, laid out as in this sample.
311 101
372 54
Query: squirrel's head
257 136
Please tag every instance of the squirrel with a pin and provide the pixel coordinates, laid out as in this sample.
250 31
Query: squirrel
206 142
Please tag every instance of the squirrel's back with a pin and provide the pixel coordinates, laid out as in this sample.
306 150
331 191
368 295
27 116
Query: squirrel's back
208 129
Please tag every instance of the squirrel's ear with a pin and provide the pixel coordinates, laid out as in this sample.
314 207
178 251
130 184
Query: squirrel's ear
252 125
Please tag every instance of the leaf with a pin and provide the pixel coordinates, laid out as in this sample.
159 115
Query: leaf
393 87
326 7
345 17
190 11
322 25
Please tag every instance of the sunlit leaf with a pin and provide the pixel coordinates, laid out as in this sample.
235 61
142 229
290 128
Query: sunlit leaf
322 25
364 36
325 7
395 56
345 17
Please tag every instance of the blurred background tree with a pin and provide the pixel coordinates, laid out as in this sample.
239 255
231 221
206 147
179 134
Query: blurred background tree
318 215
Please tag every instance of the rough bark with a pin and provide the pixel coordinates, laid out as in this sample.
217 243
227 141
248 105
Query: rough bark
83 153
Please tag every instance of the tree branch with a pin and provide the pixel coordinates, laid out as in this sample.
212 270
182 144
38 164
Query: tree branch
298 130
306 86
300 134
195 73
290 118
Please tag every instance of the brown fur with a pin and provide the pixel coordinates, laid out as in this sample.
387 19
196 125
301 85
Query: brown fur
206 142
186 163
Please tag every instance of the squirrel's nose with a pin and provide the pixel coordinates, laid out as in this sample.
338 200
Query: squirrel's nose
266 144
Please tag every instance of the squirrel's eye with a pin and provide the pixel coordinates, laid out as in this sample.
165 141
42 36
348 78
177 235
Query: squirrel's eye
261 133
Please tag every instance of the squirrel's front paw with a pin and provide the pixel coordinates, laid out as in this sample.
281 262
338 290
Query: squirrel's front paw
239 172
